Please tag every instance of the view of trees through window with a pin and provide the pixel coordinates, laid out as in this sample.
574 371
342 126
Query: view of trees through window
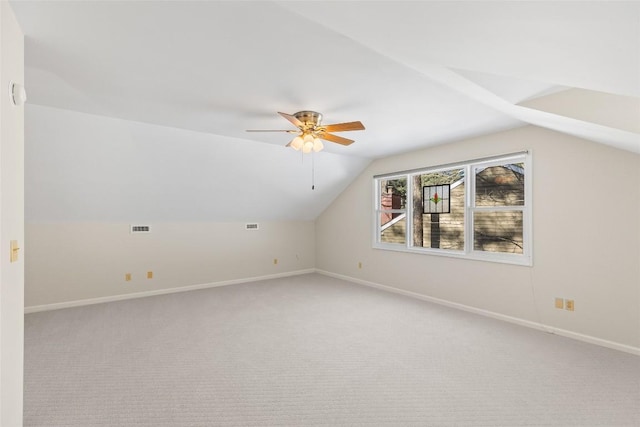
393 200
496 227
439 230
492 214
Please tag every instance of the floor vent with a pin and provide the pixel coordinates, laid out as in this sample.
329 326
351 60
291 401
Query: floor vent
252 226
140 229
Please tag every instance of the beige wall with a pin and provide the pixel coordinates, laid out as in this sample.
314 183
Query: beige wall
11 221
87 260
586 210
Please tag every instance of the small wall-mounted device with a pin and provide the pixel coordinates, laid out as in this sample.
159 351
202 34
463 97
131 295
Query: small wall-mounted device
17 94
135 229
13 255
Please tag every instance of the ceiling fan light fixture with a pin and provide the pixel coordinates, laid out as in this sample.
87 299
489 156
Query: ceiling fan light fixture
297 143
308 143
317 145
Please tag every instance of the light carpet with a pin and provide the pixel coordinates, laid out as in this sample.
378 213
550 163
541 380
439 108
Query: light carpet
312 351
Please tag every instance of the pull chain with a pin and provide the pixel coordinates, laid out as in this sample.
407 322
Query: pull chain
313 169
313 172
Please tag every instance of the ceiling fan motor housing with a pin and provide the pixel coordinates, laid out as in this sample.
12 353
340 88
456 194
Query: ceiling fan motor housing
311 119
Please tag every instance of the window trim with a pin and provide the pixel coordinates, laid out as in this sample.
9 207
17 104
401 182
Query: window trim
378 211
526 258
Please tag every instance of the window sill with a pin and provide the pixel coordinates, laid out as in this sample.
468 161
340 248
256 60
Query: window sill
502 258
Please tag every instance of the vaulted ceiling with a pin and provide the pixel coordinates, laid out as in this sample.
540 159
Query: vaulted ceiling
415 73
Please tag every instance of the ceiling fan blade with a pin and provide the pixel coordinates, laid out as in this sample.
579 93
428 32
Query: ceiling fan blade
343 127
271 130
335 138
292 119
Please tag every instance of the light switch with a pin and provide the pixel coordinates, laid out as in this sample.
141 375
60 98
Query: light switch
13 257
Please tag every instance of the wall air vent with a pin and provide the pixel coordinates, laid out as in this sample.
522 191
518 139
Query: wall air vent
252 226
140 229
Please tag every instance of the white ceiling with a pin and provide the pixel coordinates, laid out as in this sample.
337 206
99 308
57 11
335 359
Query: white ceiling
415 73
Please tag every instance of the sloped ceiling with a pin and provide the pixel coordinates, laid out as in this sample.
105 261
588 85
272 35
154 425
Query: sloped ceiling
415 73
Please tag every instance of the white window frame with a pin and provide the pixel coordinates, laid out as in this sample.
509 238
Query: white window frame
526 258
378 211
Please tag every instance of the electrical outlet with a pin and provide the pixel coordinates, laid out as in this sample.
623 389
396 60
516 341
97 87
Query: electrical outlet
359 265
127 277
149 274
559 303
569 305
275 261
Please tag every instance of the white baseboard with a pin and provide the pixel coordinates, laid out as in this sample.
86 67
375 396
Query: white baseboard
487 313
120 297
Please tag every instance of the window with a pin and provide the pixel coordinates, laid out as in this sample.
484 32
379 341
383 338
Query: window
392 214
438 209
478 209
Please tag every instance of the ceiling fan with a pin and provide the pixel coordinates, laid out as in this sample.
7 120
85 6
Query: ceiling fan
311 130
